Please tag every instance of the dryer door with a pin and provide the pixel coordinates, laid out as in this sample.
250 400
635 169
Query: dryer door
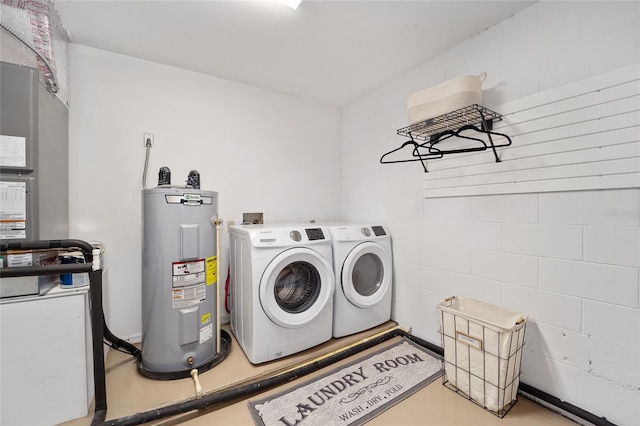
366 274
296 286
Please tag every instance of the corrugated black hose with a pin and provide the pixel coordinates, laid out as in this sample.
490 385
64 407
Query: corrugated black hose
117 343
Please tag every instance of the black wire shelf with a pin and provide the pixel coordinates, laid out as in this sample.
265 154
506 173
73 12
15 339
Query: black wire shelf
425 135
475 115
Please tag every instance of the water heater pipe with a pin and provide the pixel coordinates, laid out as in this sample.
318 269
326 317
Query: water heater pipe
196 382
218 223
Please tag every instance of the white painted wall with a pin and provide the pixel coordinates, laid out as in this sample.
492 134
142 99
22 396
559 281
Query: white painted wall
261 151
571 260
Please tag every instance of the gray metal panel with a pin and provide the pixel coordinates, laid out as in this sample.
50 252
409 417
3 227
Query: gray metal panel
52 151
18 87
189 322
28 110
189 241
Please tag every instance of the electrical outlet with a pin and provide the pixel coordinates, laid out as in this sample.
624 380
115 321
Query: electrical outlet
147 137
230 223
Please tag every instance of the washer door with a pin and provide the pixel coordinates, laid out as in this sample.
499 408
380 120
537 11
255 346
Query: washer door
366 275
296 286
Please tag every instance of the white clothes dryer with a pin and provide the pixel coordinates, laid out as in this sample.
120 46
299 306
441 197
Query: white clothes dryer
281 288
362 262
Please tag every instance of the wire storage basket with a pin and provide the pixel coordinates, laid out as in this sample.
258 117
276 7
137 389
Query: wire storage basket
482 352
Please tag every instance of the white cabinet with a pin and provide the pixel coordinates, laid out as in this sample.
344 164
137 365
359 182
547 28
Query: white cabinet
46 362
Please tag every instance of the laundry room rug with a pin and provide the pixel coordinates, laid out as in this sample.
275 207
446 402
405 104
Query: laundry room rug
354 394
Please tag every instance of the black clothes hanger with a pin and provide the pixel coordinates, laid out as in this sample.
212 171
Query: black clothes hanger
486 129
448 134
462 133
416 155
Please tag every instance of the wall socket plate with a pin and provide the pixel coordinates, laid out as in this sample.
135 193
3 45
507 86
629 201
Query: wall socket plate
252 218
145 137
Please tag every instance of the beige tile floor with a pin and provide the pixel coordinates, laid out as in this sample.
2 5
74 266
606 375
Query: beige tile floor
129 393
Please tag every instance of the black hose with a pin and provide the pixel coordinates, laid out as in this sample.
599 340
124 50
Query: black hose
63 268
246 390
84 246
251 389
97 337
433 348
117 343
563 405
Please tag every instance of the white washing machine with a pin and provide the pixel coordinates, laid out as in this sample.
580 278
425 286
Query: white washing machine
362 263
281 288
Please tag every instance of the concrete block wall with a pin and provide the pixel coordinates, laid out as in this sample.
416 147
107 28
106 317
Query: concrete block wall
582 336
571 260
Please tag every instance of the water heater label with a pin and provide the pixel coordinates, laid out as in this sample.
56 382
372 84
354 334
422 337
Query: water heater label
193 270
188 296
206 333
188 283
212 270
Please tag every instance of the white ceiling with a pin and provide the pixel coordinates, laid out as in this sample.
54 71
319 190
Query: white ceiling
331 52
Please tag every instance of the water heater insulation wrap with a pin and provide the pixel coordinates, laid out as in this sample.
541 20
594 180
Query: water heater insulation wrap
178 278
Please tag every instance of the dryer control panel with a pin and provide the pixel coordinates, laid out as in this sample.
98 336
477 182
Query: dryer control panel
378 231
315 234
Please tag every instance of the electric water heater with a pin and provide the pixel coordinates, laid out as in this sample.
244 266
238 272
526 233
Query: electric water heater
179 280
